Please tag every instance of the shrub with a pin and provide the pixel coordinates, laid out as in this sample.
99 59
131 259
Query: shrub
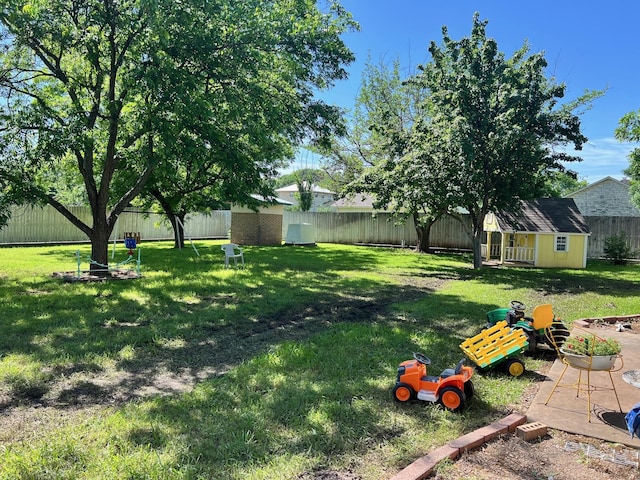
617 249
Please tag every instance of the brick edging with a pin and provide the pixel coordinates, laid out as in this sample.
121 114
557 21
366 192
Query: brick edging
423 467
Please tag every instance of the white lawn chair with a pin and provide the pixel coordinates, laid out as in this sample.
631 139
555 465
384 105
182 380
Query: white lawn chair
232 251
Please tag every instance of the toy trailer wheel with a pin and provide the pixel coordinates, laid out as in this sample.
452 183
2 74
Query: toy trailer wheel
403 392
452 399
515 367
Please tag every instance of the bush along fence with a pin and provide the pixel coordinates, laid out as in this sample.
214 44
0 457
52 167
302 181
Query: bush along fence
45 225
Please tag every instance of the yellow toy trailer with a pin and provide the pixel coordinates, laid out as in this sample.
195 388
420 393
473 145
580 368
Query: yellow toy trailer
497 345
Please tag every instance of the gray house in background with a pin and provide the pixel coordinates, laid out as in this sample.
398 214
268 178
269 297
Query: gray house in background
608 210
607 197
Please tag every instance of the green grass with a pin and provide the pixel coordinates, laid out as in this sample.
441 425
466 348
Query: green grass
294 358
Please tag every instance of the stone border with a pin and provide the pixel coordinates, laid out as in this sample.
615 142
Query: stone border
424 466
586 322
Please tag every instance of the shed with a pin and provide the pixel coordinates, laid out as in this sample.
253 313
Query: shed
261 227
546 232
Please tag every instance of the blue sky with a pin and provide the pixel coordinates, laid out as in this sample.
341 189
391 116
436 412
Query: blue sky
588 45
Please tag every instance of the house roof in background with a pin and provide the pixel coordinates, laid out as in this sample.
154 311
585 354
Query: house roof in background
549 215
624 183
360 200
294 188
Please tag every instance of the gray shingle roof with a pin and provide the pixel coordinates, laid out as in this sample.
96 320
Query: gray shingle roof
552 215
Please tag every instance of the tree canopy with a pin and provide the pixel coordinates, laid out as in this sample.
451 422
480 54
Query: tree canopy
184 101
629 131
489 131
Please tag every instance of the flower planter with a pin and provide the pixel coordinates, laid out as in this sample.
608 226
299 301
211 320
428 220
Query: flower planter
599 363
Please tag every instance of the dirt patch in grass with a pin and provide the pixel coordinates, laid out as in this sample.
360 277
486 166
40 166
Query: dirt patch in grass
557 456
83 391
87 276
71 390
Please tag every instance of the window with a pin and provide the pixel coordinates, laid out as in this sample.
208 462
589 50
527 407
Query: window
562 243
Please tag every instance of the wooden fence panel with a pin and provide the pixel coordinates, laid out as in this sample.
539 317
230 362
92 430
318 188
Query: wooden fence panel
353 228
47 225
604 227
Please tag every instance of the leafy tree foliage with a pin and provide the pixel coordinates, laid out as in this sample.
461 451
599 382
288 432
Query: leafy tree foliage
304 194
317 176
629 131
559 184
182 101
377 155
472 130
381 100
497 121
480 136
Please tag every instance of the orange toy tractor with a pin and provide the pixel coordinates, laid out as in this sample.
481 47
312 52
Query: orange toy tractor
451 389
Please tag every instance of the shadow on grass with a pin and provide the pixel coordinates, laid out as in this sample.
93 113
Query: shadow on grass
330 395
188 319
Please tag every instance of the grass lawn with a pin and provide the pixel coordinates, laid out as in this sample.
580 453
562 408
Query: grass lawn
285 367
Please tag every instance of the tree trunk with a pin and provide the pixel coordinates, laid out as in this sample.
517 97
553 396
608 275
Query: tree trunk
477 251
100 248
423 230
178 230
176 226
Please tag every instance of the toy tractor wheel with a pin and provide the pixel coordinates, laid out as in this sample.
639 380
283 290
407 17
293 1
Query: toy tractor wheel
403 392
469 390
452 399
515 367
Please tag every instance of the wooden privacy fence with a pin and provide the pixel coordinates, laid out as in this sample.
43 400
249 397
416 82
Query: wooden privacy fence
604 227
356 228
447 232
46 225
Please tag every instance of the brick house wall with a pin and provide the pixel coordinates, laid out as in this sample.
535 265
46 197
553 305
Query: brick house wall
607 197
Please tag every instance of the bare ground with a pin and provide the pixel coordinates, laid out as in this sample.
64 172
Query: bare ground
79 393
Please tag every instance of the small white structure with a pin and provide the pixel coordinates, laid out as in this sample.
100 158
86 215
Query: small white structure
300 234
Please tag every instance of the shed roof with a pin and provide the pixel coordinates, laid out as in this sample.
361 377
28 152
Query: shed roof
270 200
549 215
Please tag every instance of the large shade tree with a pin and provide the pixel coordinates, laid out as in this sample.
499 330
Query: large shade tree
491 131
250 104
502 122
376 157
134 95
